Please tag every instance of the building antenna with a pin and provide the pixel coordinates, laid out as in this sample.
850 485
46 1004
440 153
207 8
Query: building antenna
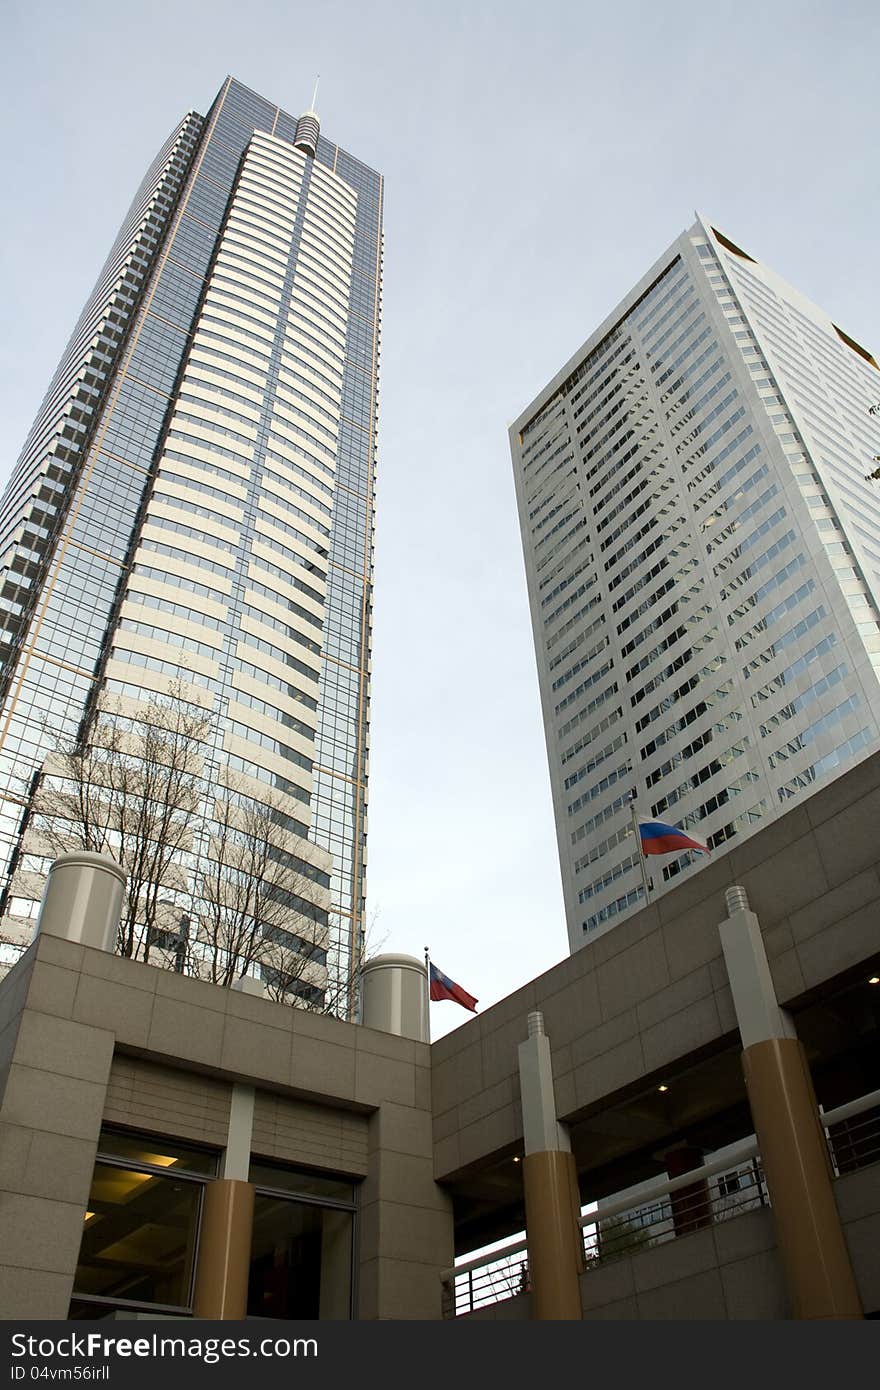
313 106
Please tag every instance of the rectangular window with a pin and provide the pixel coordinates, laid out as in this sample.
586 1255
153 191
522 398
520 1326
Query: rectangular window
141 1225
303 1242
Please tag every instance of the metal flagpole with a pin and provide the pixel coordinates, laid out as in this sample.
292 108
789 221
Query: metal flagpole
641 853
428 989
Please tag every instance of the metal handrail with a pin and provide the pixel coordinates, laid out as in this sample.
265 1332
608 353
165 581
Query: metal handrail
632 1200
848 1111
853 1145
513 1248
663 1187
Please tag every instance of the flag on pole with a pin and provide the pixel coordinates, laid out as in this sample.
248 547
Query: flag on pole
441 987
658 838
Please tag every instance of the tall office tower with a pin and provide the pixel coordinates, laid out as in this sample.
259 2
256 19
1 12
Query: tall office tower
193 509
703 563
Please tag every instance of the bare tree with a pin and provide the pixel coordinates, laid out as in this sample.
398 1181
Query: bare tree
260 897
262 907
131 788
222 883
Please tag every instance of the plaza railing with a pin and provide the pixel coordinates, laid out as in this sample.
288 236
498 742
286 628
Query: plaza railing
634 1220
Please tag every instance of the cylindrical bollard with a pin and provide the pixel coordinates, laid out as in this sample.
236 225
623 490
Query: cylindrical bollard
394 991
82 900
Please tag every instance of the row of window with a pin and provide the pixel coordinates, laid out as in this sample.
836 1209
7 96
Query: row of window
843 753
151 1189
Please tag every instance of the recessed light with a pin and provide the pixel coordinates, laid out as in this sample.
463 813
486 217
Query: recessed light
516 1158
662 1088
874 980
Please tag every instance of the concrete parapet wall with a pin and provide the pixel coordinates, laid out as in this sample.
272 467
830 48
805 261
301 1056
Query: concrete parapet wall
654 990
88 1038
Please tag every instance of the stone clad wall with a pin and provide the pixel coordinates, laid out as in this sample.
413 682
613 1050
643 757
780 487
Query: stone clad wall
49 1121
296 1131
144 1096
654 989
87 1038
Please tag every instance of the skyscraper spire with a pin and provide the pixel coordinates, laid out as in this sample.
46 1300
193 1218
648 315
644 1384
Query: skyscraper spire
308 127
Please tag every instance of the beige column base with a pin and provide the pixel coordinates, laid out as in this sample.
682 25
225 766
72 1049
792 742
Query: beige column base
224 1250
794 1154
554 1237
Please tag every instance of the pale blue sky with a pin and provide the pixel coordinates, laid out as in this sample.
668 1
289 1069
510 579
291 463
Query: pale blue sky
538 159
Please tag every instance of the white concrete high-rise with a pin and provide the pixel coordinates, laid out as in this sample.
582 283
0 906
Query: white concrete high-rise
702 554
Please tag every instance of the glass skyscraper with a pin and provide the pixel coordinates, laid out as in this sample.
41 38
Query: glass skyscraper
193 508
702 554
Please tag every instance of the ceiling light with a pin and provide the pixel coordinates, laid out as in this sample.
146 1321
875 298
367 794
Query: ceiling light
662 1088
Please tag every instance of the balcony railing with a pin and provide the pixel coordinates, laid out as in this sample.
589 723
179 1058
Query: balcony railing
853 1132
661 1211
674 1207
486 1279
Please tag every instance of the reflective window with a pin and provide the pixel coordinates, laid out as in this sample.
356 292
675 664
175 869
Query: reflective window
301 1254
140 1226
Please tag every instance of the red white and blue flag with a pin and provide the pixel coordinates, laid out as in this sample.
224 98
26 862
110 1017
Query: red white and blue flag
441 987
658 838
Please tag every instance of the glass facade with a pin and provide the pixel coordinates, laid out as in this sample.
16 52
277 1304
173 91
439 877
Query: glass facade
700 554
212 532
141 1234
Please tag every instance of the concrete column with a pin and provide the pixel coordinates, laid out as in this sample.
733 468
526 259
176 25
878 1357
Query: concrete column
690 1205
791 1141
237 1157
224 1258
550 1183
224 1250
406 1225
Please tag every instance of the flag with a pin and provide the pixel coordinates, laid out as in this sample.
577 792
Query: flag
658 838
441 987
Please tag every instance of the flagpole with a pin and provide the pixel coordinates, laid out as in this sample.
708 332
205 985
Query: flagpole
428 992
641 853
